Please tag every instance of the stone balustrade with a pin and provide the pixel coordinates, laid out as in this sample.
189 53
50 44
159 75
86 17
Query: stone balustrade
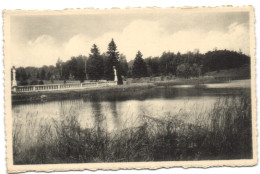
66 86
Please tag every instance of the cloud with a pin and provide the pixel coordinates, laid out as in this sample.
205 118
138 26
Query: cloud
41 51
236 37
77 45
147 36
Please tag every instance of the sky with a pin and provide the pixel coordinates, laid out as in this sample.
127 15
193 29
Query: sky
40 40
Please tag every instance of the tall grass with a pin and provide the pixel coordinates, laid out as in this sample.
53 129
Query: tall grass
223 133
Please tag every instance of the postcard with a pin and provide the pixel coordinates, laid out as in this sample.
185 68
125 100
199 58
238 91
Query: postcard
136 88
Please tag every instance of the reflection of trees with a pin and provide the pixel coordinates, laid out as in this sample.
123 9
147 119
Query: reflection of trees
115 116
98 116
100 140
113 108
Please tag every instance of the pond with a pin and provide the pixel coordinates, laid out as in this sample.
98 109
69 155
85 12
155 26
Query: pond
120 110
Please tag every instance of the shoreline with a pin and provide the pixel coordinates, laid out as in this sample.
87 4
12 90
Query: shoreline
74 93
78 93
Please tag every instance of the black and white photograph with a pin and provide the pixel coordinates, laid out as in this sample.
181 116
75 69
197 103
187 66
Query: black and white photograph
111 89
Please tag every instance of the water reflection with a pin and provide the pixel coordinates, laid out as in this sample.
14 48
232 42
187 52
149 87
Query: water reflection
115 111
99 119
115 117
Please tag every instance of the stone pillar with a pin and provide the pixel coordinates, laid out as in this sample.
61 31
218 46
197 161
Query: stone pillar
115 74
14 83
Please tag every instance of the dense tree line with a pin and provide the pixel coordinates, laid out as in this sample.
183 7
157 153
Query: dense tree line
190 64
93 67
33 74
97 66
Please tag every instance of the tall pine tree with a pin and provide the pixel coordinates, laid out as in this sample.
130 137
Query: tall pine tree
112 60
139 66
95 66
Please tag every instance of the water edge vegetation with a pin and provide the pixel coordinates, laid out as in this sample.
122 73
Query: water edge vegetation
222 133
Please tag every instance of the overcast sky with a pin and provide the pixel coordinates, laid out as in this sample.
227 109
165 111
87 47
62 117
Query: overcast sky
40 40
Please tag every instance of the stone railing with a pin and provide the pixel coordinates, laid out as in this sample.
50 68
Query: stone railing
65 86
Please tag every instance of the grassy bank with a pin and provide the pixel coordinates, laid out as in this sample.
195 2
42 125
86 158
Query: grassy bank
222 133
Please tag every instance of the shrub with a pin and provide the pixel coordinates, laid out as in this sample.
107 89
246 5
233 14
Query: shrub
34 82
24 83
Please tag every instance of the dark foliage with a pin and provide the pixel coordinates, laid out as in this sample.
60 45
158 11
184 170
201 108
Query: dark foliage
75 68
139 66
223 59
95 65
24 83
34 82
192 64
41 83
43 74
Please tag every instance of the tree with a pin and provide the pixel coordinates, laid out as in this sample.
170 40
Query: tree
95 67
21 74
139 66
195 70
49 75
183 70
111 61
123 65
43 73
80 72
28 75
153 66
168 63
59 67
38 75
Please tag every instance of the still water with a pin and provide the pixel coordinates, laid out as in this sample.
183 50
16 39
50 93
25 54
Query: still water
116 111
